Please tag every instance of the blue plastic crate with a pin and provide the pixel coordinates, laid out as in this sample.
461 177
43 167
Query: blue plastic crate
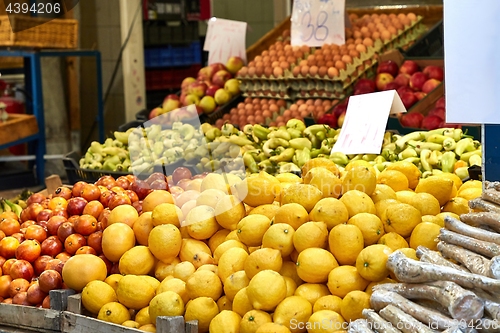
171 56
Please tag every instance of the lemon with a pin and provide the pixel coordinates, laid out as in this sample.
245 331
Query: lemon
330 302
409 252
131 323
394 179
279 237
142 316
289 269
253 319
331 211
288 177
381 207
113 280
210 197
241 302
251 229
113 312
326 321
425 203
357 163
234 283
202 309
477 184
433 219
258 189
167 213
345 242
183 270
405 196
440 188
272 328
370 225
226 246
353 305
314 264
233 235
425 234
165 242
293 214
214 181
262 259
325 181
96 294
369 288
266 290
357 202
382 192
304 194
204 284
167 303
268 210
291 286
320 162
231 261
371 262
344 279
217 239
196 252
293 312
148 328
201 223
224 304
310 234
401 218
393 240
312 291
209 267
359 178
409 169
229 210
134 292
138 261
457 205
153 282
444 214
176 285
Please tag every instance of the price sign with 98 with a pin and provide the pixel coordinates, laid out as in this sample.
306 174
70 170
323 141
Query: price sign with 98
318 22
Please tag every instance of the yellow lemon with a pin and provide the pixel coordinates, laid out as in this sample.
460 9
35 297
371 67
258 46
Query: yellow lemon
293 214
167 303
433 219
345 242
440 188
369 288
456 180
393 240
241 302
471 184
231 261
371 262
266 290
233 235
113 312
310 234
427 204
137 261
113 280
359 178
289 269
279 237
320 162
214 181
142 227
331 211
263 259
370 225
344 279
405 196
326 321
204 284
210 197
202 309
304 194
425 234
272 328
217 239
358 202
353 305
381 207
167 213
131 323
142 316
288 177
201 223
165 242
134 292
209 267
312 291
258 189
153 282
330 302
196 252
226 246
291 286
325 181
394 179
268 210
383 192
409 169
314 264
444 214
229 210
358 163
148 328
117 238
409 252
251 229
401 218
254 319
176 285
224 304
457 205
234 283
293 312
183 270
96 294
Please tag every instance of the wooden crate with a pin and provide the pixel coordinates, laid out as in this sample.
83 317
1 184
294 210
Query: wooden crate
29 318
17 126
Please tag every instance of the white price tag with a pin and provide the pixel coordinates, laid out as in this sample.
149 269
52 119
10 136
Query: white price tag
365 122
225 39
318 22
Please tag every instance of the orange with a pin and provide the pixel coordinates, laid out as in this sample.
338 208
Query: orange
156 198
142 227
83 268
117 239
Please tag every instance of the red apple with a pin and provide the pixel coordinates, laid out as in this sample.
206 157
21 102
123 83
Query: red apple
413 119
211 90
417 81
402 90
197 88
363 90
430 85
389 67
186 82
409 67
155 113
339 109
234 64
431 122
382 79
434 72
205 74
170 104
217 67
221 77
409 99
402 79
419 95
391 86
76 206
441 102
438 111
365 84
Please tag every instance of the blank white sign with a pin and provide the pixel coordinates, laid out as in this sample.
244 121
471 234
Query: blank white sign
472 61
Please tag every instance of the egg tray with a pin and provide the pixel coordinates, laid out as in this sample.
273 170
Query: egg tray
405 37
287 95
259 86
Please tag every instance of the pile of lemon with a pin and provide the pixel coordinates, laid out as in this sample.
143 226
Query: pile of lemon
274 254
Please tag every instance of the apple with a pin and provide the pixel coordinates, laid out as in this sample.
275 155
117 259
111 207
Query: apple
197 88
402 90
365 84
389 67
363 90
172 96
339 109
205 74
431 122
234 64
171 104
413 119
417 81
409 67
191 99
212 89
382 79
391 86
409 99
186 82
438 111
232 86
402 79
419 95
434 72
217 67
207 104
221 77
441 102
155 113
340 119
430 85
221 96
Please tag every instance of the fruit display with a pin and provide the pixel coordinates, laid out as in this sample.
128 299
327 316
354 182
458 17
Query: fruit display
112 155
435 117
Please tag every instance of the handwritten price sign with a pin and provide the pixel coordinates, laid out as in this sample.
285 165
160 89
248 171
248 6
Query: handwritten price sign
318 22
225 39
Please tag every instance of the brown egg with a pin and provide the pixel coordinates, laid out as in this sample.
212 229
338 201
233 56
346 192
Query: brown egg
272 52
234 119
241 112
305 114
310 57
365 32
296 71
311 62
274 58
376 20
266 114
302 107
392 15
398 25
277 72
368 42
354 53
326 102
340 65
319 108
281 58
259 63
248 107
256 101
298 54
406 22
304 70
353 16
330 63
337 57
310 102
251 71
262 101
251 64
250 119
371 26
318 102
287 48
259 71
348 33
287 113
383 16
305 49
290 59
320 57
321 63
349 41
299 102
257 58
327 53
243 71
275 63
385 35
284 65
392 30
242 118
412 16
375 35
273 108
281 103
294 107
265 53
268 71
343 52
303 63
333 72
